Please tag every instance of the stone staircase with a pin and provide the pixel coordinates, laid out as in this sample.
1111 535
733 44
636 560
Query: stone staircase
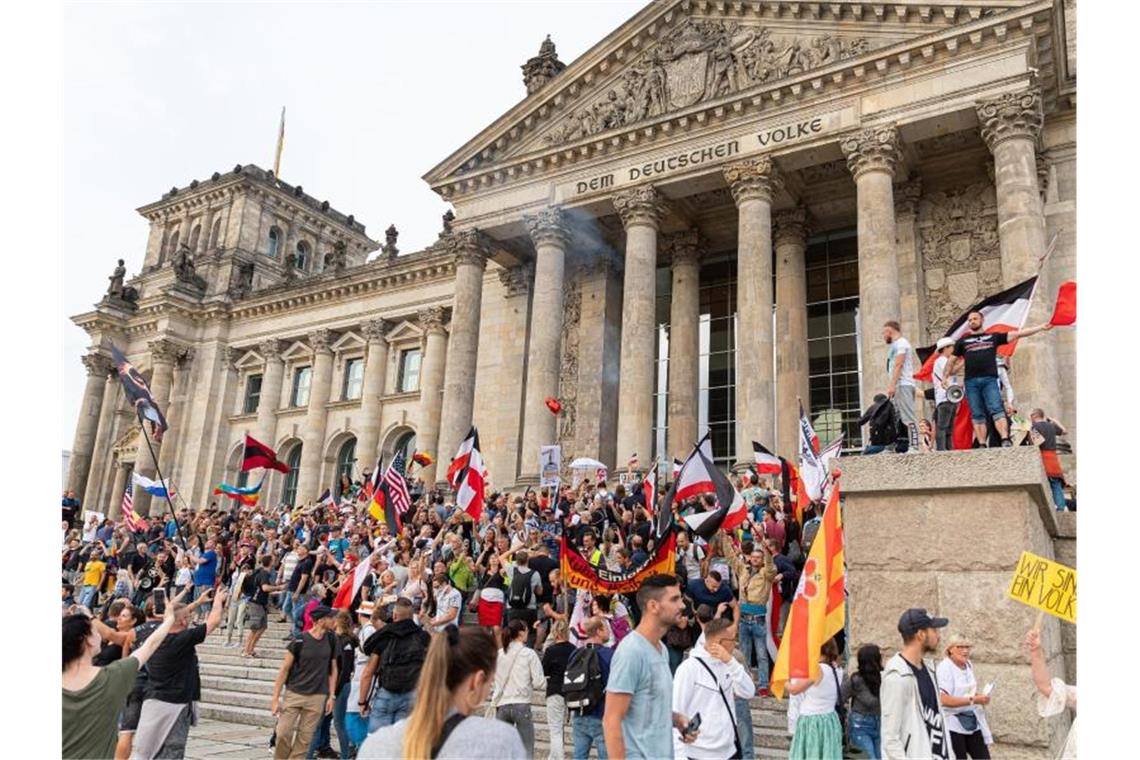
238 690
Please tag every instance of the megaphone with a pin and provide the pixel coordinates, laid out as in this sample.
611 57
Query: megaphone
955 393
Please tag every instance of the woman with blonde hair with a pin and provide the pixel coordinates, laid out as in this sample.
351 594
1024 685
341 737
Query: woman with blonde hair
456 679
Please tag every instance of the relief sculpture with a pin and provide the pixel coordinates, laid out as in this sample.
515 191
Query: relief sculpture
702 60
568 369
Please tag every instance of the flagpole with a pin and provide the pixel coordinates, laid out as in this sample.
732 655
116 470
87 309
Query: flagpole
154 458
280 146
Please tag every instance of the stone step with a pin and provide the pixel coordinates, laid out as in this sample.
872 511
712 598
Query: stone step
242 671
244 715
212 684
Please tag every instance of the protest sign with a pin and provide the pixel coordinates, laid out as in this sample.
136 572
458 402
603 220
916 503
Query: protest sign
1045 585
550 465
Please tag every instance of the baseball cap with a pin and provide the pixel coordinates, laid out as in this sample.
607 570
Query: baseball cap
943 343
915 620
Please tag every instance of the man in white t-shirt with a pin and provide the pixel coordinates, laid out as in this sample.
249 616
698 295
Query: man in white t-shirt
945 410
448 604
900 385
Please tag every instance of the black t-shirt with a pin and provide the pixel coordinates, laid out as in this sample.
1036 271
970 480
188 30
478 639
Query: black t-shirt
543 565
173 668
261 578
1048 431
303 567
138 563
928 696
554 661
980 352
312 659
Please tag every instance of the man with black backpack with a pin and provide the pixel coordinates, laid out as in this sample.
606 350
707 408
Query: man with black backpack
523 591
397 651
885 427
309 675
584 689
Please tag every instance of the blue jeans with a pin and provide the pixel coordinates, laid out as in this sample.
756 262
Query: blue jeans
873 448
744 728
984 396
287 604
1057 486
754 636
357 728
88 595
298 615
587 731
863 731
340 712
389 707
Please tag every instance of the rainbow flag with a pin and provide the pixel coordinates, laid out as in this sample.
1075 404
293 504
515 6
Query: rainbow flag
245 495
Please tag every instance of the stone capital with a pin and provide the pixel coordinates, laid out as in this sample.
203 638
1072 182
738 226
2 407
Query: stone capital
164 351
230 356
548 227
320 340
270 348
753 179
790 227
684 247
639 205
872 150
1013 115
907 195
470 247
375 329
97 364
431 319
517 279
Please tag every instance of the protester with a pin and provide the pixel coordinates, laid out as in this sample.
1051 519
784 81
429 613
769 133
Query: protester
519 670
914 724
554 661
900 385
961 701
1044 434
945 410
357 704
457 678
755 578
257 606
885 426
1054 696
397 651
819 732
710 590
860 690
584 691
309 674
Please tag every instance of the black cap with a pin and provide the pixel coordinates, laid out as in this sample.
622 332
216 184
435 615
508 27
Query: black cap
915 620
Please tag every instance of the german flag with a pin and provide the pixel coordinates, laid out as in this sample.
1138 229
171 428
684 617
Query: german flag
578 573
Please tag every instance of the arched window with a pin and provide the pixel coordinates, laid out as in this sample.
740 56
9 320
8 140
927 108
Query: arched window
216 234
303 255
243 479
406 445
289 493
345 462
194 235
172 247
274 242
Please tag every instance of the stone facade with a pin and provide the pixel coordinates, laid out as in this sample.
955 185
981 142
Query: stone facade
749 130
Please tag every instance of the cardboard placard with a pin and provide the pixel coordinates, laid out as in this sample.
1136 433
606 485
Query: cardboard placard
1045 585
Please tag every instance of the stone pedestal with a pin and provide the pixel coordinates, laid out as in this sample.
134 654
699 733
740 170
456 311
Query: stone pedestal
309 484
1010 127
790 235
640 210
271 379
431 390
551 237
375 364
463 344
684 249
944 531
872 155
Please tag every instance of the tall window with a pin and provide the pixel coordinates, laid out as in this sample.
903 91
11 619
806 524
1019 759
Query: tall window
252 394
289 492
302 379
353 378
345 462
409 379
303 255
274 242
216 234
172 248
716 331
194 235
832 264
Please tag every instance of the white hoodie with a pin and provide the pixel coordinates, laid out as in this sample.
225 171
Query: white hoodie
694 692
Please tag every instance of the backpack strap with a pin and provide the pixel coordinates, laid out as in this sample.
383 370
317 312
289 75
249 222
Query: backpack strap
449 725
731 710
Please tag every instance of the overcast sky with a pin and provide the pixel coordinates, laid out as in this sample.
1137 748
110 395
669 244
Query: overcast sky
377 94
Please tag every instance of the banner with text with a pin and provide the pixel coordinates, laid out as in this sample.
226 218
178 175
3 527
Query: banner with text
1045 585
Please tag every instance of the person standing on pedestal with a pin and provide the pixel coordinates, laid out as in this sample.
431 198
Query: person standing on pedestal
900 382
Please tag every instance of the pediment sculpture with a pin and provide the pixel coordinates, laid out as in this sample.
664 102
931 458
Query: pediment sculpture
699 61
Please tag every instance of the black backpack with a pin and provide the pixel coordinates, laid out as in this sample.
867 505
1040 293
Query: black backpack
519 596
402 661
582 685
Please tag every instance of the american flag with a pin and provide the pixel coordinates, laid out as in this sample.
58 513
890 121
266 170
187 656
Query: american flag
135 523
397 485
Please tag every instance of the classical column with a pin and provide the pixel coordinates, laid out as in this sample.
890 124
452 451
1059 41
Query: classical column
375 364
98 367
790 235
753 182
431 389
163 354
104 440
271 379
175 412
313 434
115 505
640 209
872 155
470 248
684 250
551 237
1011 125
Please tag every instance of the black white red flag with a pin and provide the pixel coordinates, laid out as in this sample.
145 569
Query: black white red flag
468 476
767 463
730 510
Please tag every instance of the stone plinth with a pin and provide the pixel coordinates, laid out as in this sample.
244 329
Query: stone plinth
944 531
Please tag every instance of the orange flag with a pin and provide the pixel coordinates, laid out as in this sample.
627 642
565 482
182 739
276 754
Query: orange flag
819 606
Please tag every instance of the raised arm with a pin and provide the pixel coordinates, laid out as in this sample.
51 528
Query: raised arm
216 612
1025 332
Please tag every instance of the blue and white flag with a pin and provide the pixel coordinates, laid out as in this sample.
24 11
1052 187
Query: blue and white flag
153 487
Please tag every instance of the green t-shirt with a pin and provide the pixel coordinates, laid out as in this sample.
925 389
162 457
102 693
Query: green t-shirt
91 715
461 575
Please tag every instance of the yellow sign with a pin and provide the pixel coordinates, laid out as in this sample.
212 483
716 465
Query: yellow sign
1045 585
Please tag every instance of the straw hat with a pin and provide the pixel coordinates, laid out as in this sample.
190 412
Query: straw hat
366 608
